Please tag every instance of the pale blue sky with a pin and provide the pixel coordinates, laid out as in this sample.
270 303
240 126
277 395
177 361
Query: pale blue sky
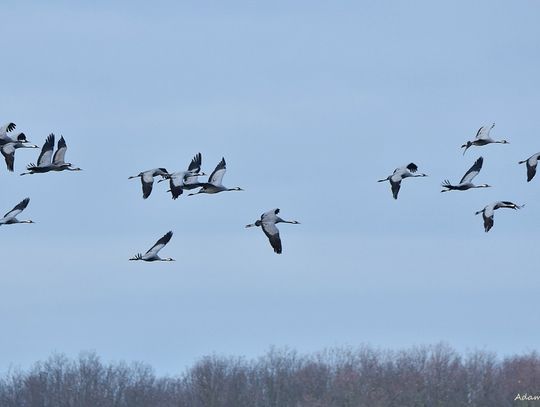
310 102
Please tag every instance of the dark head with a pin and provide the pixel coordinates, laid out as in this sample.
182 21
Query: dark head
22 138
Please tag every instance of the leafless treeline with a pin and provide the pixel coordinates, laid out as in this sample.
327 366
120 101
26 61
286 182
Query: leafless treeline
432 376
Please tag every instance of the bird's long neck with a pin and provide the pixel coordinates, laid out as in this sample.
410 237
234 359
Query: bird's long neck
235 189
279 220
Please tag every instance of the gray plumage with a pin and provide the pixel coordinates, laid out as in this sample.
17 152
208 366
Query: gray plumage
178 181
399 175
13 137
152 253
11 217
47 162
489 211
147 179
267 223
531 162
466 181
214 184
8 151
482 138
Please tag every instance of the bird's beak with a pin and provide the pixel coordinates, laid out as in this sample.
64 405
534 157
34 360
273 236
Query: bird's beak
250 225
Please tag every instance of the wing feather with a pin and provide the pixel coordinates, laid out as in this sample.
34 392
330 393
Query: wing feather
21 206
175 185
395 188
473 171
45 157
160 244
272 233
483 132
195 165
531 171
217 175
6 128
8 151
60 151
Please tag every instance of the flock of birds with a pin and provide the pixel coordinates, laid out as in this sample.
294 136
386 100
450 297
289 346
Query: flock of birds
179 181
482 139
51 160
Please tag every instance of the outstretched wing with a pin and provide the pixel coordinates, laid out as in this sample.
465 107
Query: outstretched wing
272 233
160 244
8 151
195 165
175 184
45 157
60 151
531 163
147 181
21 206
6 128
506 204
473 171
217 175
395 188
483 132
488 222
531 171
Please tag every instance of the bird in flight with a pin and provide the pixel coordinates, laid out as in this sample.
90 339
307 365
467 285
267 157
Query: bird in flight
152 253
8 151
482 138
489 211
267 222
466 181
399 175
531 162
47 162
178 181
147 179
11 217
214 185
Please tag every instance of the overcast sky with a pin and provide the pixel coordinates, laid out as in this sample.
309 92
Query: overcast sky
310 102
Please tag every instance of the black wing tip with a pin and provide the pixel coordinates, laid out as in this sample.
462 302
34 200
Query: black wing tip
25 202
168 235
